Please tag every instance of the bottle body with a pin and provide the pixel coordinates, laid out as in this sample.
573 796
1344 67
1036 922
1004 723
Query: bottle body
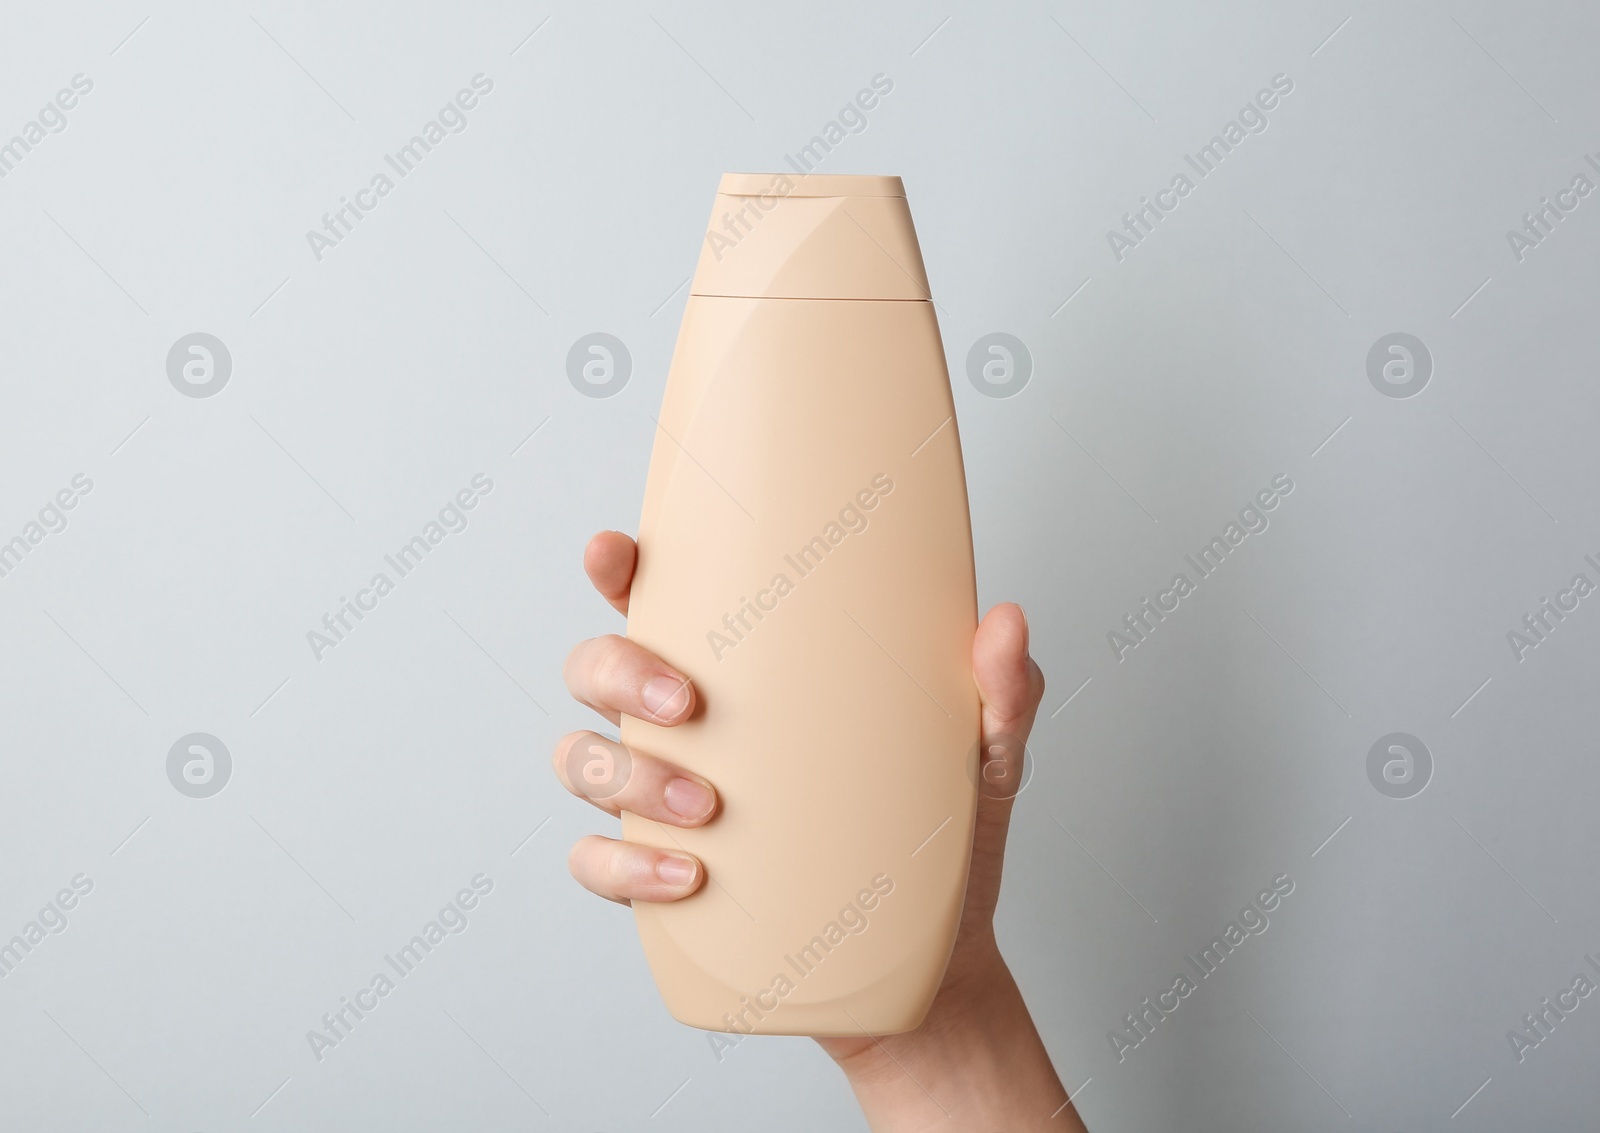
805 556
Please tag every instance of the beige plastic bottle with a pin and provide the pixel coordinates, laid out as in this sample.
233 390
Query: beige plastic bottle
805 556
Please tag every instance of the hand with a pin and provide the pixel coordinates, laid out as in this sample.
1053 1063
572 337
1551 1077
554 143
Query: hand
613 675
976 1062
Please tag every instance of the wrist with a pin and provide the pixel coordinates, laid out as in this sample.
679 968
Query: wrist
975 1061
957 1012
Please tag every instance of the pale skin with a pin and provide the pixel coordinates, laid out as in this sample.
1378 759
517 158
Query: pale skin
976 1063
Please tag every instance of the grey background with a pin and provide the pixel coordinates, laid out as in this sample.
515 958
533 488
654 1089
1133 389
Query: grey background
369 786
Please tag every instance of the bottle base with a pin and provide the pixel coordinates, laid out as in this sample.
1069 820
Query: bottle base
822 1021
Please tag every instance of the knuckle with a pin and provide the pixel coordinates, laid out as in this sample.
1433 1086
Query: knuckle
620 867
611 659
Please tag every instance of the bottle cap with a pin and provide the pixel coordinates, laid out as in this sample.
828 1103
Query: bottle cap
813 184
813 236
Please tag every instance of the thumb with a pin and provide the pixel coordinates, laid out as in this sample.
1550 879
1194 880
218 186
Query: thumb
1010 686
1009 683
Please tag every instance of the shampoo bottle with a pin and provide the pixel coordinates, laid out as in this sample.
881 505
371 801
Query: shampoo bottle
805 556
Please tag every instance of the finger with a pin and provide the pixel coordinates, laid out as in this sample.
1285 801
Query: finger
615 778
613 675
608 561
1009 683
627 871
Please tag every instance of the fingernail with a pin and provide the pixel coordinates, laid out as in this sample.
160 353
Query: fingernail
665 697
675 871
688 799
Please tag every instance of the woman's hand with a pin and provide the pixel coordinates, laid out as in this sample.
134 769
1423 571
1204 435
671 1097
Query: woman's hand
612 675
976 1062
